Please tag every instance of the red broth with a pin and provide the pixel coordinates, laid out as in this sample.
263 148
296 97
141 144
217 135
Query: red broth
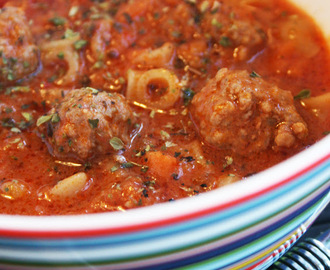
168 157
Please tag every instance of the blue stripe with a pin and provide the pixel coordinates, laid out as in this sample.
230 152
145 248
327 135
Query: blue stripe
321 199
167 231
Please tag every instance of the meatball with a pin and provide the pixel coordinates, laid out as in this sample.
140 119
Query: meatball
242 112
88 122
231 28
19 56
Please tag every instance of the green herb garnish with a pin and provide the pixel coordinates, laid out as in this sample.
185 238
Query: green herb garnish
80 44
57 21
254 75
305 93
188 95
43 119
93 122
116 143
128 18
28 117
55 118
225 42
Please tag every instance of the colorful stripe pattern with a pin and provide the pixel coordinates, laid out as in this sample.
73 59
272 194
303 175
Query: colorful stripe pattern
247 225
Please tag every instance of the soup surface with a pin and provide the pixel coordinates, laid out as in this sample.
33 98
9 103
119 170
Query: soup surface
112 105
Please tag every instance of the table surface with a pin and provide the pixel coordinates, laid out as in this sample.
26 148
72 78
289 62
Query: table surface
322 223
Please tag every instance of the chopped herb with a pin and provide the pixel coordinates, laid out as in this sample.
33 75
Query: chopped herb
164 135
26 64
60 55
69 33
116 143
204 185
57 21
9 110
141 153
98 64
128 18
152 114
8 122
188 95
87 165
145 193
43 119
144 169
204 6
228 161
25 106
114 168
15 130
188 158
23 89
225 42
80 44
176 154
254 75
16 140
28 117
24 125
73 11
127 165
121 80
326 132
176 34
93 122
55 118
175 176
170 144
215 23
52 78
305 93
156 15
10 77
178 63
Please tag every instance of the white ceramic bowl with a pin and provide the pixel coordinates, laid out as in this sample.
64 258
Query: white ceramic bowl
246 225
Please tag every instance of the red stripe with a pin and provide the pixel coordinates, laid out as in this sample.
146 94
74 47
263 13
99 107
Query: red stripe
297 235
151 225
258 264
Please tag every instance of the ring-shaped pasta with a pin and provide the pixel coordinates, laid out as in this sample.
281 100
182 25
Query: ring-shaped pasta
52 49
139 84
157 58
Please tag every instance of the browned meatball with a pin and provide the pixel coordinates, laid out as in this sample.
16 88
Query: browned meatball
19 56
231 28
88 122
246 114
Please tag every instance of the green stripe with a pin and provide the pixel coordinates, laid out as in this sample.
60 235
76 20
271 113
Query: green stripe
160 254
259 241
